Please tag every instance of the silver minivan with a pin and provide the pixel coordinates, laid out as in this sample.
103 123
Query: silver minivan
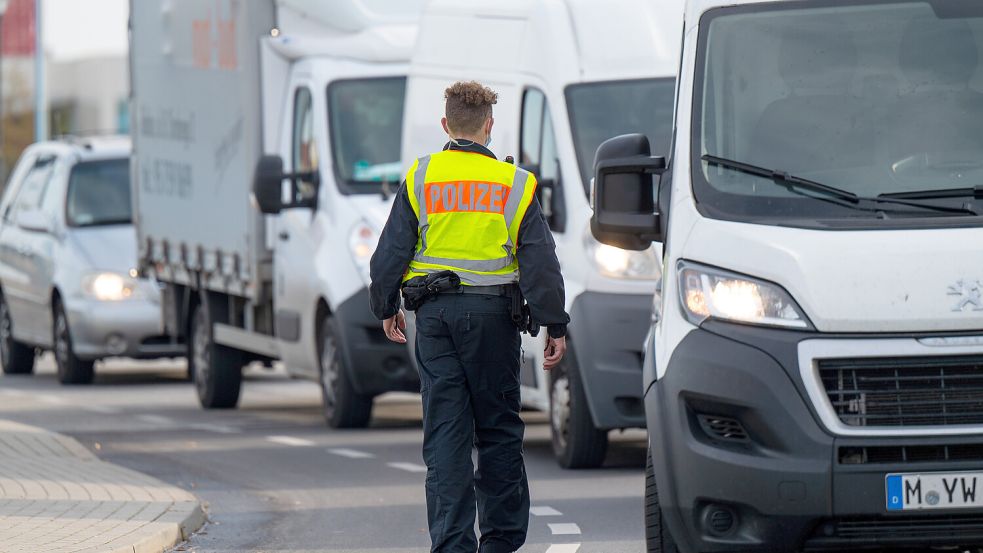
68 281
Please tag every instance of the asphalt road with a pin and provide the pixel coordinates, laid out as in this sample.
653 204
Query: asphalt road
274 478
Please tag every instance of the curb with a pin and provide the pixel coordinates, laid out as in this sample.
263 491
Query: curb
54 483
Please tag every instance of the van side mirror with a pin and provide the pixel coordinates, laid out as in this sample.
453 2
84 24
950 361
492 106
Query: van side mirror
35 220
623 195
268 186
549 192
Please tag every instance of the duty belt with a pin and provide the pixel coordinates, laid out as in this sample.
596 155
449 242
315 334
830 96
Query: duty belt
494 290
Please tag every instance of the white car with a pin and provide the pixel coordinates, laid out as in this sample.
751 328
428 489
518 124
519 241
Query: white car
68 281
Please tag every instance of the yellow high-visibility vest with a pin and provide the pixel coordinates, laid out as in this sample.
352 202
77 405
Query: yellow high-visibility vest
470 207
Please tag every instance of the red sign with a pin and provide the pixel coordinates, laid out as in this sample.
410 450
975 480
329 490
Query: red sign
18 29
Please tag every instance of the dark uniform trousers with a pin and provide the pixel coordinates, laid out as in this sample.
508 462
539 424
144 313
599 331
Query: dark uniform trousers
468 351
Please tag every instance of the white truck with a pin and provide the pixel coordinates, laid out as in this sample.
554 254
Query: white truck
814 380
305 93
569 73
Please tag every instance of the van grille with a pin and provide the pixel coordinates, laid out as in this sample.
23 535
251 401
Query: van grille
894 531
905 391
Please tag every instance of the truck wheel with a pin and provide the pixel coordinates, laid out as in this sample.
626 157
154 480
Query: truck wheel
15 357
217 369
577 444
657 538
71 369
343 406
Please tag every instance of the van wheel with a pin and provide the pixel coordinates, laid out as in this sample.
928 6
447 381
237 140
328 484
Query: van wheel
577 443
657 537
15 357
71 369
217 369
343 406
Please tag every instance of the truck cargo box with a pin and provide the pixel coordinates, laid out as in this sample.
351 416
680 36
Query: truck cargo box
197 135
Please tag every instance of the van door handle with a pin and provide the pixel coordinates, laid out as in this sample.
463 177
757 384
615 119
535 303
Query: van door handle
284 235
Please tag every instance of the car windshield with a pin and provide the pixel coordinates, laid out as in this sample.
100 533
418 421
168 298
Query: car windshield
880 99
366 118
599 111
99 193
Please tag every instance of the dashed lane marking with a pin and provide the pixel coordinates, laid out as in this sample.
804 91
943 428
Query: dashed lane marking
408 467
9 392
351 453
564 529
155 419
216 428
101 409
563 548
544 511
47 398
290 440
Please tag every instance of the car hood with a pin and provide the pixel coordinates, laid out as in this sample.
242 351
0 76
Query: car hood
108 248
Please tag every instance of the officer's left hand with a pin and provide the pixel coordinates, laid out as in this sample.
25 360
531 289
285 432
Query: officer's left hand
394 327
555 348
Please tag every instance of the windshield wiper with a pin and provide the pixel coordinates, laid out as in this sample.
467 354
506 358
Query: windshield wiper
782 178
975 193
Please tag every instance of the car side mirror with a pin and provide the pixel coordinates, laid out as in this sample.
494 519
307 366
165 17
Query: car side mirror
35 220
268 186
623 195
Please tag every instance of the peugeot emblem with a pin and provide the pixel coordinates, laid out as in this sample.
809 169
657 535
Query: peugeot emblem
970 294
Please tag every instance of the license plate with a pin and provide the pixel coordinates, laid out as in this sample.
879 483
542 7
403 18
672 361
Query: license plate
934 490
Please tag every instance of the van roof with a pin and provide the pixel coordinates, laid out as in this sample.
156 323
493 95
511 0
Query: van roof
696 8
614 39
88 147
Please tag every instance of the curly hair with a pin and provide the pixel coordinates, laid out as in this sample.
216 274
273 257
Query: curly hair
469 105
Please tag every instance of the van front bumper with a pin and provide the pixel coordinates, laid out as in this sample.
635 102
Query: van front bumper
607 333
781 482
377 364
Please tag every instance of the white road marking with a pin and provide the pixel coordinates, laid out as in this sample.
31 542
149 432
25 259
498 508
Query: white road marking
155 419
103 409
544 511
563 548
47 398
351 453
408 467
9 392
290 440
564 529
216 428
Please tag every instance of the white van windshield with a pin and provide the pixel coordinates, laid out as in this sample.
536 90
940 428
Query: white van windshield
812 114
365 119
601 110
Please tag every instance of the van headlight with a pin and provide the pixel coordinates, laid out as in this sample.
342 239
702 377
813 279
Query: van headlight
706 292
362 243
108 286
624 264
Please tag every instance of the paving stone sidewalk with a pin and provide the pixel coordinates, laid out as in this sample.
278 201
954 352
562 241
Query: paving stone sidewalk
57 497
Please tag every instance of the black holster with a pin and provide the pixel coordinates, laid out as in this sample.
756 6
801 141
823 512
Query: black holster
521 315
419 290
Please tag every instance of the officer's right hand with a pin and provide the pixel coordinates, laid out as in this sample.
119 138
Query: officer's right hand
555 348
394 327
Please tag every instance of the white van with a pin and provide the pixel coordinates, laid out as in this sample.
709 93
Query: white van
569 73
305 92
815 377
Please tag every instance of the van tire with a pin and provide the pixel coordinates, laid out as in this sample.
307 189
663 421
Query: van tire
657 537
577 443
343 407
16 358
217 369
71 369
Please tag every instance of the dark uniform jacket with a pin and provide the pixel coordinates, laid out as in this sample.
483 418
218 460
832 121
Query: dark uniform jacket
539 270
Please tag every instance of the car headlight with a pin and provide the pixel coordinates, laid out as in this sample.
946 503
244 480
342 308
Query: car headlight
108 286
624 264
707 292
362 243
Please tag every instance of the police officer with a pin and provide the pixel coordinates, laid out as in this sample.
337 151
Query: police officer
462 210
